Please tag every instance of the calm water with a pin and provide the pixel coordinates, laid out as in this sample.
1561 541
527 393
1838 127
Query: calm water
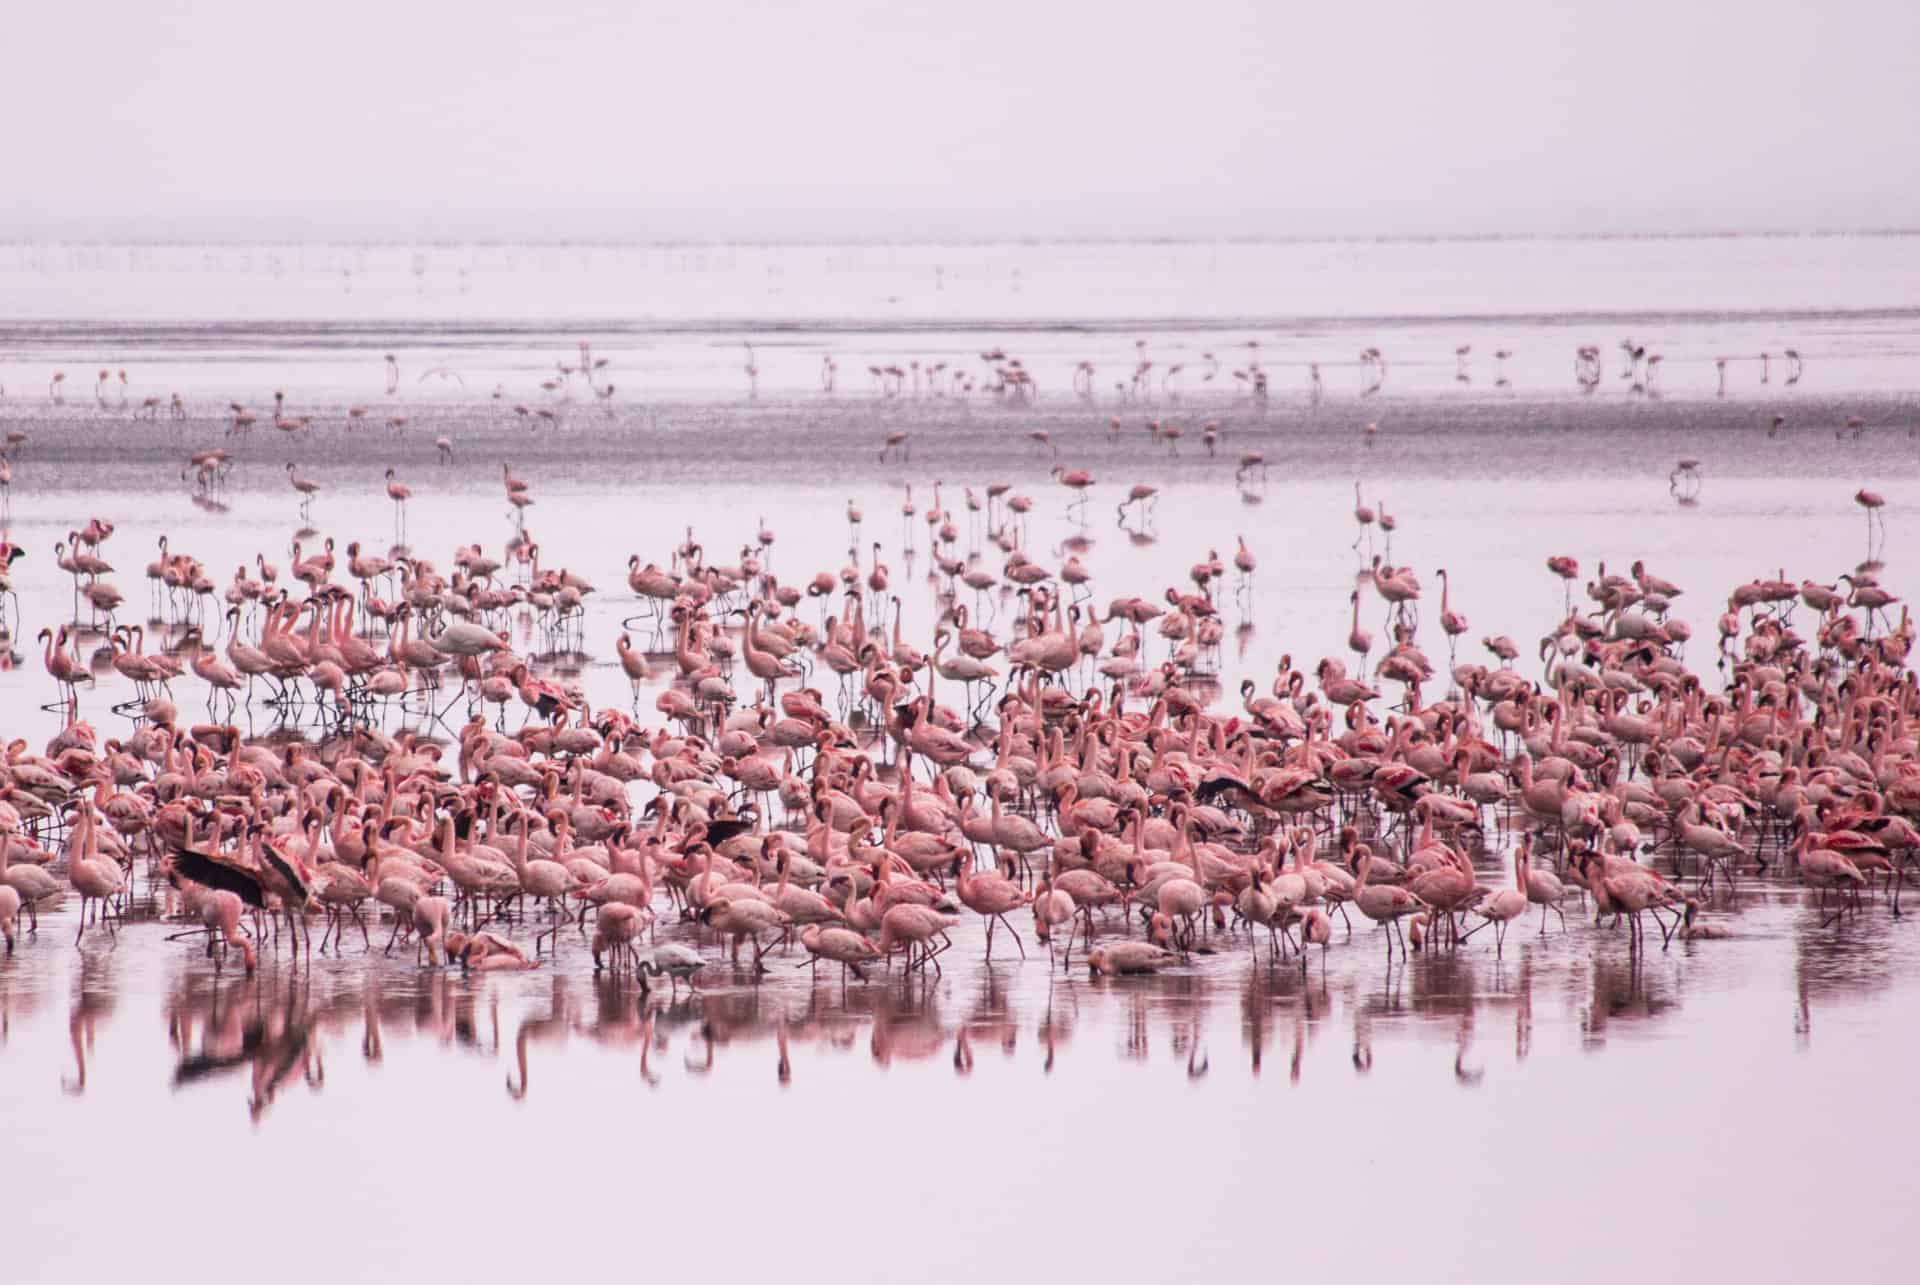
1462 1115
220 322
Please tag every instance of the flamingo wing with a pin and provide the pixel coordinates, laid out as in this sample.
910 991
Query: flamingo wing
218 875
286 871
1218 783
718 832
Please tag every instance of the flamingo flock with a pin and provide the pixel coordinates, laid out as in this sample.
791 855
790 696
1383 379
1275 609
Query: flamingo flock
1001 377
1085 795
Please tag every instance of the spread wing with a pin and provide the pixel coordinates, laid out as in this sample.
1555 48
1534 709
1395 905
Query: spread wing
1219 783
718 832
286 871
201 868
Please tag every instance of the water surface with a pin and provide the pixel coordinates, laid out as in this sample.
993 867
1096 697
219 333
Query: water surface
1569 1108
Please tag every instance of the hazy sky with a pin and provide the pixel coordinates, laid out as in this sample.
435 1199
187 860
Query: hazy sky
886 118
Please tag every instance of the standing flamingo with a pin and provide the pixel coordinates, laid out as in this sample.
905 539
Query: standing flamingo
399 492
306 487
1384 903
1872 502
1078 481
1363 514
991 897
1452 623
1507 904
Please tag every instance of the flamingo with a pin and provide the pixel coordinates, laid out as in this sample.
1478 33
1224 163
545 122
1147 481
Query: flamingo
1362 514
1872 502
1079 481
990 896
1053 907
911 926
98 880
399 493
1385 904
1452 623
1507 904
305 487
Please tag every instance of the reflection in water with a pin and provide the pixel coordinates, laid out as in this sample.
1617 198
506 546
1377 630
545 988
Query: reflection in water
93 1002
557 1040
18 999
1840 958
247 1026
1523 1013
552 1029
1463 1040
282 1028
1624 990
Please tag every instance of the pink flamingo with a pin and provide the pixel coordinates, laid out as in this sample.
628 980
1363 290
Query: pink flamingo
991 896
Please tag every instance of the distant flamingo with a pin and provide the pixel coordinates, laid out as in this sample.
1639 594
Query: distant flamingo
1359 639
1140 493
1077 481
1568 569
1363 514
1452 623
399 492
306 488
1872 502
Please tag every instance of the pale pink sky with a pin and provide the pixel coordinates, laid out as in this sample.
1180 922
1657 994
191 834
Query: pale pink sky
884 118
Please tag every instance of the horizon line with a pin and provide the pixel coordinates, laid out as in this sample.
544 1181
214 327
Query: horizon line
599 242
19 329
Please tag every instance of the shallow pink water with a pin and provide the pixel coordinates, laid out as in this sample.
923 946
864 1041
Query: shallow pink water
1563 1109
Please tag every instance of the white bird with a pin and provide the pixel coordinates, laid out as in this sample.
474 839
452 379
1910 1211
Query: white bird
678 962
464 638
